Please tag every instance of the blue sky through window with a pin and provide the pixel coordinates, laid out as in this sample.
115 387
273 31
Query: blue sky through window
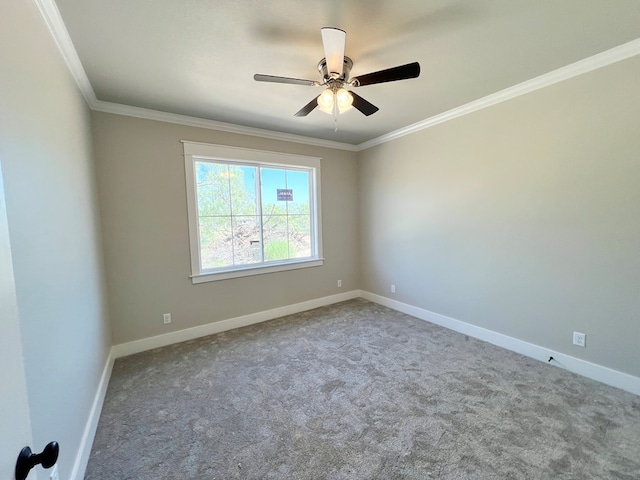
273 179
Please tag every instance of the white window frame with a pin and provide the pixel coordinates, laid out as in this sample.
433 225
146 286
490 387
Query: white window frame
194 151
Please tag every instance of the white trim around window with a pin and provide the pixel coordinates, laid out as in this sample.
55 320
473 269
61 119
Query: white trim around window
199 155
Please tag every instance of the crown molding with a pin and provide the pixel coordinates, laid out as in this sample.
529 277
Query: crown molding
608 57
52 18
157 115
56 26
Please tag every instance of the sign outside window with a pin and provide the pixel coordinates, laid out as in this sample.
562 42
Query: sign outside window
285 194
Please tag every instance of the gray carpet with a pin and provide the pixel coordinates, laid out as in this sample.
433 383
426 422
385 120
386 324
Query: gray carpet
357 391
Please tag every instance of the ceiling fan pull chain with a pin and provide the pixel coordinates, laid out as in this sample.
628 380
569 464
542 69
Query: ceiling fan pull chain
335 115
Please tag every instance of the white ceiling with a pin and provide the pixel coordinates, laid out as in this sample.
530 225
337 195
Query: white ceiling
197 58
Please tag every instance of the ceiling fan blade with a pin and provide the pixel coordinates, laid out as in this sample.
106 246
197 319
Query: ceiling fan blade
403 72
334 40
275 79
363 105
308 108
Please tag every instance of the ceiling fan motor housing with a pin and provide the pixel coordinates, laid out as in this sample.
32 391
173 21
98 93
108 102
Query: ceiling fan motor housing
327 76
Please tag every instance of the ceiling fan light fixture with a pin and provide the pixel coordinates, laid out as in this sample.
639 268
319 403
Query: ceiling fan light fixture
326 101
330 98
335 69
344 99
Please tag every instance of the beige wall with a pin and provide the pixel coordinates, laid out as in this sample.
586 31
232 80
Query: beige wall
45 149
521 218
144 216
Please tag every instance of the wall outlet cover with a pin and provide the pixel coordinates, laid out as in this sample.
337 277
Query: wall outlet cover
579 339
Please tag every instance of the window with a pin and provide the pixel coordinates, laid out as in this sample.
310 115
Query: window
251 211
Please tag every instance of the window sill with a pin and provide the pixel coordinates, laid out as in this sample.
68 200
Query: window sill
250 271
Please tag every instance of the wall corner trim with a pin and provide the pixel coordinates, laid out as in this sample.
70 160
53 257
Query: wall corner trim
137 346
82 456
587 369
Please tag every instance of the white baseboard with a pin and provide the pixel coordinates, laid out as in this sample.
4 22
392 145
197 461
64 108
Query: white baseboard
144 344
82 457
594 371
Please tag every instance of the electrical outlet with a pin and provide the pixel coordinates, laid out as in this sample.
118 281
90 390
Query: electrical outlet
393 289
579 339
53 474
339 283
166 317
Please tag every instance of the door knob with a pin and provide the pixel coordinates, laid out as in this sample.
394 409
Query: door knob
27 459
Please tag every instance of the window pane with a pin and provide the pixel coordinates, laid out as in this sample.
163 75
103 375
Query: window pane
299 236
246 240
212 183
276 242
215 242
298 182
271 180
242 182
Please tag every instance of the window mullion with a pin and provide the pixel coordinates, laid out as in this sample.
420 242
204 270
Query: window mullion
259 212
286 210
311 213
233 246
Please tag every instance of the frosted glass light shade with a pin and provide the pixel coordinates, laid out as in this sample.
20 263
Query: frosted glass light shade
344 100
326 101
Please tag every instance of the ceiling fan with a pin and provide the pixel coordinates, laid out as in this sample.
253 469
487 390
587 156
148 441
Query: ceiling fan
335 68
